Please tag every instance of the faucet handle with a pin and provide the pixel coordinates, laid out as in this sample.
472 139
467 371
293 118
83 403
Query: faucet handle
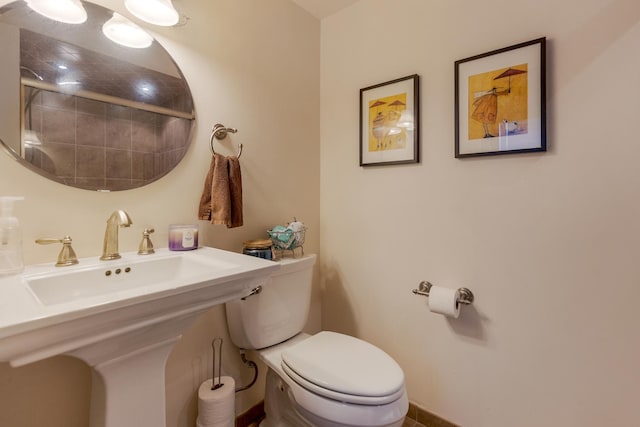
146 247
67 255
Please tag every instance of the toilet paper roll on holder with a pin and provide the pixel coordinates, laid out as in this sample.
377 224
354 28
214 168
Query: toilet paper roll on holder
466 296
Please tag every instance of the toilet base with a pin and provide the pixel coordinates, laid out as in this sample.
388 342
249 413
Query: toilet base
282 410
279 405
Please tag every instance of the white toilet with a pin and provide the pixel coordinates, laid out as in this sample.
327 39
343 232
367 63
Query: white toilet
324 380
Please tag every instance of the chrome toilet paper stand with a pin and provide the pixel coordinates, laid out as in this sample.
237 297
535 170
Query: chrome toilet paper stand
466 296
217 355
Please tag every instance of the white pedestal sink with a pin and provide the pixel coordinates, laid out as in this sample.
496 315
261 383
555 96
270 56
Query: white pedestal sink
121 317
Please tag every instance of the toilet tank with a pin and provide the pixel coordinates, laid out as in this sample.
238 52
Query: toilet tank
279 311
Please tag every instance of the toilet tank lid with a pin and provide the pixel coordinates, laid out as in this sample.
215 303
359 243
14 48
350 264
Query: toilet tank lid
345 364
290 265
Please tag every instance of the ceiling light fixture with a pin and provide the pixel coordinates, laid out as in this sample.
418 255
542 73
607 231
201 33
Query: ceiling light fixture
157 12
67 11
124 32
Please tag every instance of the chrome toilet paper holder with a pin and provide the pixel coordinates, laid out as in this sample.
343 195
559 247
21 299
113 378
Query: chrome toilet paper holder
466 296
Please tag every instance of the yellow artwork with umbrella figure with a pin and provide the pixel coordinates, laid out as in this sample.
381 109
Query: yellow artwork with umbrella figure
384 132
498 103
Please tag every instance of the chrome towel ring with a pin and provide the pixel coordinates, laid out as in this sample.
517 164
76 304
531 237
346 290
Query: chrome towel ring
220 132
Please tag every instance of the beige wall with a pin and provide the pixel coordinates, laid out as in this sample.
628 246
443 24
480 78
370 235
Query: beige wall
253 65
547 242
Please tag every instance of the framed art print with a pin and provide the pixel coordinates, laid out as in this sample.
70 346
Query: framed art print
389 122
500 101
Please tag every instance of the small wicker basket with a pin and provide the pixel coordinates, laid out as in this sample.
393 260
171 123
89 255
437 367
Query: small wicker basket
287 240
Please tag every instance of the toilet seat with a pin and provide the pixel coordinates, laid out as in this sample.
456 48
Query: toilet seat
344 368
341 397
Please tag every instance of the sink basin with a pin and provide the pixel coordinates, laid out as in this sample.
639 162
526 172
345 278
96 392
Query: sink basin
122 318
110 278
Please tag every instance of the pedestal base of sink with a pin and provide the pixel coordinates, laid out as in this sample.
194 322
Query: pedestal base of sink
130 391
128 388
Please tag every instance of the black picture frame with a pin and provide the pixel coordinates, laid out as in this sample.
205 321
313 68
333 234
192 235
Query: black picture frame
500 101
390 122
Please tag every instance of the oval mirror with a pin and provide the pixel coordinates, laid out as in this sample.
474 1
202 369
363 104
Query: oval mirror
85 111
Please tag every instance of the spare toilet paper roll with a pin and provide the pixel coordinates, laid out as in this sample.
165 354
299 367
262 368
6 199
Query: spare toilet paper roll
216 408
444 301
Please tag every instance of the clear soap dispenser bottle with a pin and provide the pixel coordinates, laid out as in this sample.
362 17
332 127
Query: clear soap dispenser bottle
11 261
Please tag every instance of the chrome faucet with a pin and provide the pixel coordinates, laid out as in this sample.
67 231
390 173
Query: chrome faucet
110 245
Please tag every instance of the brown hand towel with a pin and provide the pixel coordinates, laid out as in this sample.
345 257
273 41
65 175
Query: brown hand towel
204 209
235 192
221 200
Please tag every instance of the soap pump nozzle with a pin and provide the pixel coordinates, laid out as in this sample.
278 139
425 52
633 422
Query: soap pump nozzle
10 238
6 204
7 220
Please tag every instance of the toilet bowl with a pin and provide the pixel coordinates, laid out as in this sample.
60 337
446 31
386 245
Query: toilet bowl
333 380
325 380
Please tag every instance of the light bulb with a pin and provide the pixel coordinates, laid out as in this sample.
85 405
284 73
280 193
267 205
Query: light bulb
124 32
157 12
67 11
